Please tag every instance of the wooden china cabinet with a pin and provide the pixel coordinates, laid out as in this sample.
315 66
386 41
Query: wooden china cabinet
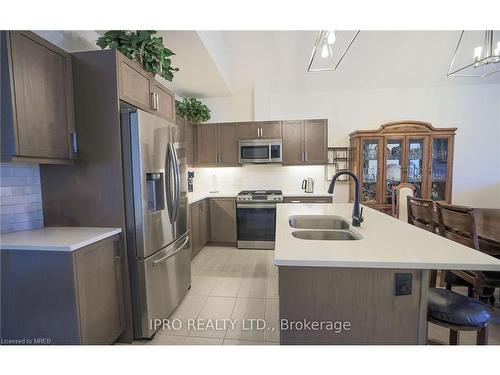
405 151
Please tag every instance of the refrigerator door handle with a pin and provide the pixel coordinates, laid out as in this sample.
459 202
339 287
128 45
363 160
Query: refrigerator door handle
169 255
177 181
168 178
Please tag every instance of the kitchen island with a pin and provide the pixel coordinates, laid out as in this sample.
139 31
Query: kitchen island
372 289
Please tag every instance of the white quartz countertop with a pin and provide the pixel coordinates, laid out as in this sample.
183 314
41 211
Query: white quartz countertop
198 196
55 238
386 243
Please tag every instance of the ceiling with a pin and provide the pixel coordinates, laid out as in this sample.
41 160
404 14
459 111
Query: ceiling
225 63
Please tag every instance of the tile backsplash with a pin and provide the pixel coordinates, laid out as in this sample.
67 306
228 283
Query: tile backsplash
264 176
20 197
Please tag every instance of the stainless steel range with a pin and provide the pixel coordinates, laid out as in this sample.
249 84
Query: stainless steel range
256 212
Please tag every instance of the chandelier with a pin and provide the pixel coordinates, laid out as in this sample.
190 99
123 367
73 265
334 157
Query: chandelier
329 49
477 54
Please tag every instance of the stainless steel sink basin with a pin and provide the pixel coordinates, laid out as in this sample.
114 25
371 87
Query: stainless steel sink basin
317 222
326 235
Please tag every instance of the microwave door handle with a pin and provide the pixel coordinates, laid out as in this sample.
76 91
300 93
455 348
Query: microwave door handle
168 183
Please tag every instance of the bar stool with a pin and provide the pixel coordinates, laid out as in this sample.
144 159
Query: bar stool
458 313
458 224
399 196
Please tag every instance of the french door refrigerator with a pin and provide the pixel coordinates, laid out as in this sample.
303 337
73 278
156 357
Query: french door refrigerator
158 240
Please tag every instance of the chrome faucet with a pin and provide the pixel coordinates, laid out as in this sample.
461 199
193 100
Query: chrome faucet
357 215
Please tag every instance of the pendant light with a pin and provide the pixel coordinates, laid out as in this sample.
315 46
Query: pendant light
329 49
477 54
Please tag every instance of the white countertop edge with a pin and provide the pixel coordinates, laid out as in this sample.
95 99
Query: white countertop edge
381 265
70 248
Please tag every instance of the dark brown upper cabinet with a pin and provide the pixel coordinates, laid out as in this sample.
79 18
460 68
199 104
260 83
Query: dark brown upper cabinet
217 145
38 120
305 142
227 145
270 129
164 106
248 130
206 145
259 130
316 141
139 88
189 130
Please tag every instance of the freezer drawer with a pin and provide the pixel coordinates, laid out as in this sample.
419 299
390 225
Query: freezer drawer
164 280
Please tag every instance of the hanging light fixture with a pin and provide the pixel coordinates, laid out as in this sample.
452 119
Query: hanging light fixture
329 49
477 54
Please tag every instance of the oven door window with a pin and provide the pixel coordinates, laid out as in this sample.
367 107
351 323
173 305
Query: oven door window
254 152
256 224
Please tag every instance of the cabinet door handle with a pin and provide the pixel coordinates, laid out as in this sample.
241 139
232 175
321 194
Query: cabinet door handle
258 132
294 201
261 133
157 102
305 156
153 101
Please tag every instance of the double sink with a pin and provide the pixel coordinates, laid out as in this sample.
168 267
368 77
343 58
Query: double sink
321 228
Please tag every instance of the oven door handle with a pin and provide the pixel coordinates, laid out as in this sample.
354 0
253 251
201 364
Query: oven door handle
256 205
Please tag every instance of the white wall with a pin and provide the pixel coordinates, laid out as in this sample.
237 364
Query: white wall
232 108
474 110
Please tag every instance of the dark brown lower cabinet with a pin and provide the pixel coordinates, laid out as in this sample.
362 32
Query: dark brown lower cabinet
63 297
359 303
204 222
223 220
200 225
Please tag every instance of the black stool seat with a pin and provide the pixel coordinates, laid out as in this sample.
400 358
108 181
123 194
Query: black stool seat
454 308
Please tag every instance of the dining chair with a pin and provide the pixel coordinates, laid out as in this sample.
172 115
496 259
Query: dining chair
421 214
399 195
458 223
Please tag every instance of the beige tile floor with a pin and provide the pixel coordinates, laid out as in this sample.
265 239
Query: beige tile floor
236 284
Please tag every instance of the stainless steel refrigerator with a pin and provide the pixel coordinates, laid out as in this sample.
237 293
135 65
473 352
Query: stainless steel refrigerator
158 239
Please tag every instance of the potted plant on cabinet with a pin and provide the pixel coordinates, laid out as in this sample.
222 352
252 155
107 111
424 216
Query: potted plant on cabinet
141 46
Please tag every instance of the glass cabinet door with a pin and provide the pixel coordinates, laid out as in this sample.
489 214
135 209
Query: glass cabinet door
370 167
415 164
439 169
393 162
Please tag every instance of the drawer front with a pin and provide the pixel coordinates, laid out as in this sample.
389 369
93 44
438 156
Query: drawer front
308 200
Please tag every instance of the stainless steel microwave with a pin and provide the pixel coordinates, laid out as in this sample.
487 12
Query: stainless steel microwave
255 151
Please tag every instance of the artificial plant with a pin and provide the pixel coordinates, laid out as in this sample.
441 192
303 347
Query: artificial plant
194 110
142 46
